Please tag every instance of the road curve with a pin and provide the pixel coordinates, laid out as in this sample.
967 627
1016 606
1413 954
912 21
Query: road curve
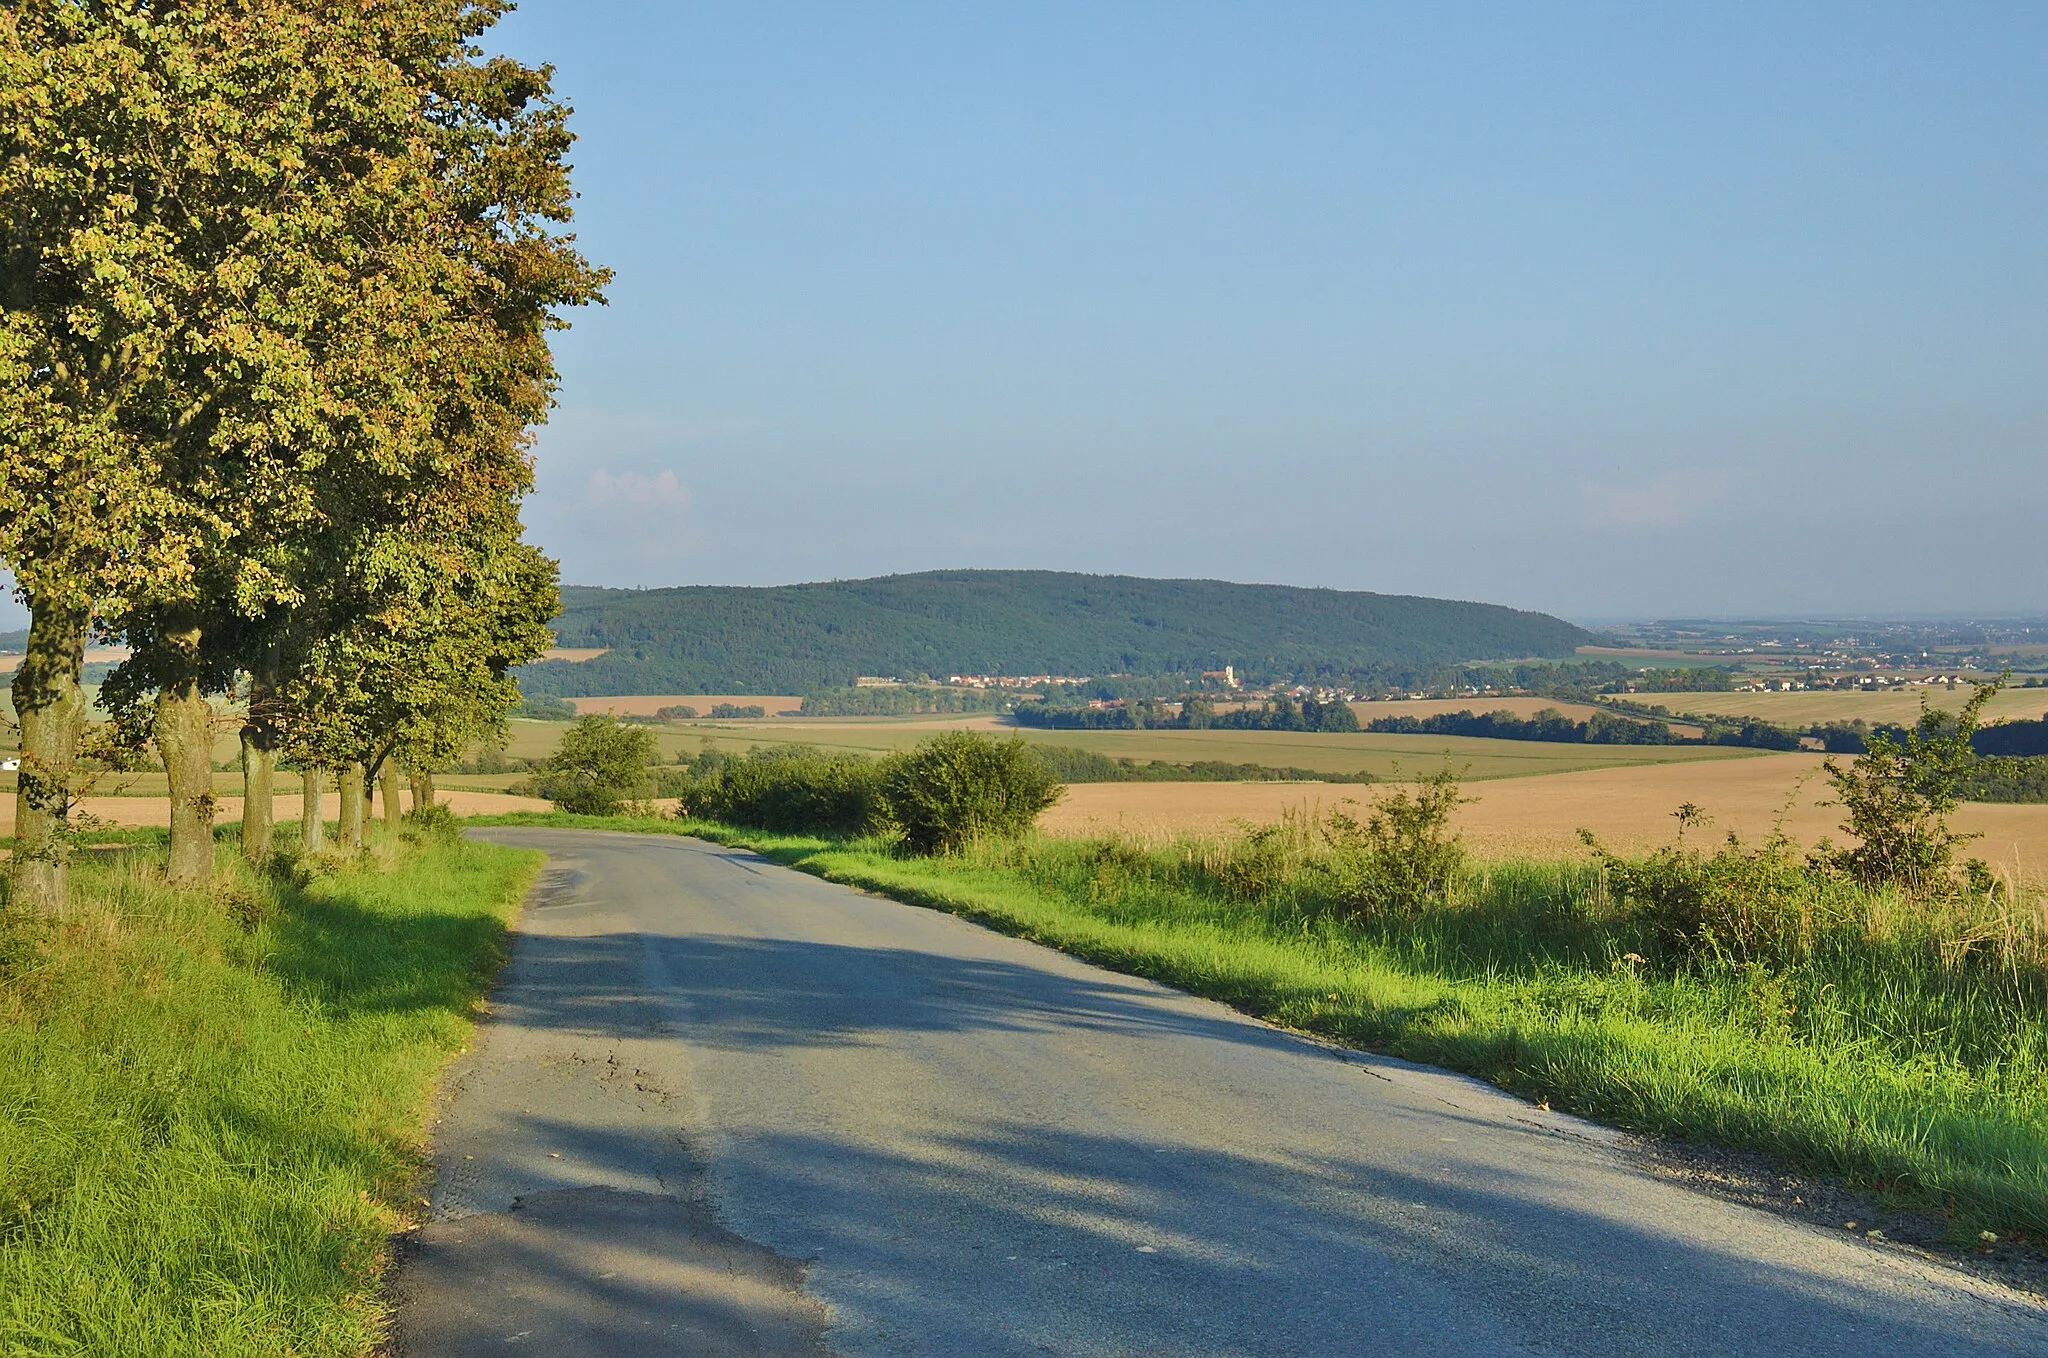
723 1107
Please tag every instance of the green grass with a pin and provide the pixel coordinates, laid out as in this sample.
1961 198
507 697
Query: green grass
212 1104
1868 1057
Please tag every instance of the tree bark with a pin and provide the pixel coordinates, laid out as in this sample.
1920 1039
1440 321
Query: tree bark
312 825
184 737
350 781
422 788
259 770
49 702
389 783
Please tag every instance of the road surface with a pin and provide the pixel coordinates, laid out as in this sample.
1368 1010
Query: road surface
723 1107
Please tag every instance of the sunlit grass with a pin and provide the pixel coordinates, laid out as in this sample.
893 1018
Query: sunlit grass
212 1104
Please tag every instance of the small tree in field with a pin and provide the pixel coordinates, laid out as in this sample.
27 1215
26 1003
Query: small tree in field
1898 797
601 765
963 786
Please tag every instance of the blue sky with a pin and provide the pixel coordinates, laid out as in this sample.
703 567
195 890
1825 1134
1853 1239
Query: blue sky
1601 309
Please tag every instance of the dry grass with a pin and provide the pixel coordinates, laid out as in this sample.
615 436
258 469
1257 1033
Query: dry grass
1540 817
574 654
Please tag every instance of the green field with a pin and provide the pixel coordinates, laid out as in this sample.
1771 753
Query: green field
1381 755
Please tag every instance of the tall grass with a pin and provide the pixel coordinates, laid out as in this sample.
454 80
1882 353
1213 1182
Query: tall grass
211 1104
1898 1041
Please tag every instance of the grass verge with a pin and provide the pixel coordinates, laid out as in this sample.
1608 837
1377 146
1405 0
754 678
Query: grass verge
1872 1058
212 1104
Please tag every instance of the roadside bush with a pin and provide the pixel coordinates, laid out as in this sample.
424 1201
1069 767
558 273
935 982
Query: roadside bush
1402 856
963 786
601 765
1735 904
794 789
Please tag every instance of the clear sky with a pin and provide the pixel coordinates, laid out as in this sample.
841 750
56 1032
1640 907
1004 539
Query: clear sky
1603 309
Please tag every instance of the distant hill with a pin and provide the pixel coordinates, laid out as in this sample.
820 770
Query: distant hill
14 641
801 638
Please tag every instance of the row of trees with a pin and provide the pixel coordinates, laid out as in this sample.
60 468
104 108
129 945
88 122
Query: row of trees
276 284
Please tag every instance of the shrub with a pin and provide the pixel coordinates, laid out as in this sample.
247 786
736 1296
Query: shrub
1735 904
600 765
793 789
963 786
545 707
1898 796
1402 855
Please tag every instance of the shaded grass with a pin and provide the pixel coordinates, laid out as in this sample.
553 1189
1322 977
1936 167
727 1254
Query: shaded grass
1869 1056
212 1104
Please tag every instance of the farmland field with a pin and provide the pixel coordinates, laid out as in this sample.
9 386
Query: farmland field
1381 755
1539 817
1826 705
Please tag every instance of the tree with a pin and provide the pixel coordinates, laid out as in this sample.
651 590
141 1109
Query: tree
600 765
1899 794
962 786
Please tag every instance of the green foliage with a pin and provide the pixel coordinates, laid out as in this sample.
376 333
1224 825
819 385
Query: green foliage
1899 794
601 765
214 1100
545 707
2015 739
791 788
806 638
1735 904
1402 856
963 786
1549 724
1072 764
2004 778
737 711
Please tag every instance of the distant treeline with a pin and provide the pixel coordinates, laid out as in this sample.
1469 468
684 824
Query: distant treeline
1071 764
909 701
1548 724
1196 714
2007 778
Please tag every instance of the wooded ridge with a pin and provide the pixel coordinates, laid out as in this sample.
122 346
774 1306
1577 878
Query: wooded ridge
801 638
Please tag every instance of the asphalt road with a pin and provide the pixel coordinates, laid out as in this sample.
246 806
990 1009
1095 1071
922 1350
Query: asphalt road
723 1107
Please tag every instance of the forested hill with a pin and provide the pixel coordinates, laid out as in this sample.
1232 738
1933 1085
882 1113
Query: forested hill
800 638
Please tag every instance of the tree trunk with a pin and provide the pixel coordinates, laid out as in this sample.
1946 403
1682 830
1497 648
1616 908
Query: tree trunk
184 737
388 782
50 705
422 788
350 781
259 766
259 770
312 825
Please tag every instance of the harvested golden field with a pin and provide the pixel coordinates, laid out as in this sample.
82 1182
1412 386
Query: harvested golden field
94 655
576 655
1541 816
1825 705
